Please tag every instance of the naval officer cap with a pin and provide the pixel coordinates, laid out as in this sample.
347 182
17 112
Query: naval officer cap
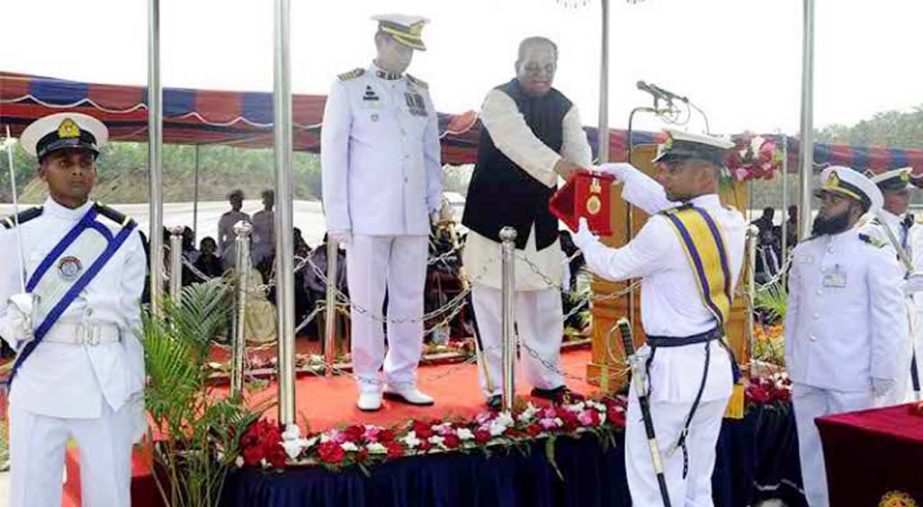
845 181
405 29
62 131
895 179
681 146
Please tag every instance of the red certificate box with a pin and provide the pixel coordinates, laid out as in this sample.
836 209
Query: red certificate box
584 195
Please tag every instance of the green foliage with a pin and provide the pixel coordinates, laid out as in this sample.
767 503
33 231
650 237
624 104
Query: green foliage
201 428
772 299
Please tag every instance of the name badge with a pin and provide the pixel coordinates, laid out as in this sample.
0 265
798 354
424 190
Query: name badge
837 279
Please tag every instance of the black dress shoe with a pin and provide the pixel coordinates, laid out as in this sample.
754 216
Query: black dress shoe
559 395
494 403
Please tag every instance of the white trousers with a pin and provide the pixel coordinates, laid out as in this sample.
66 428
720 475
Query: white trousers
37 447
398 264
669 419
540 325
810 403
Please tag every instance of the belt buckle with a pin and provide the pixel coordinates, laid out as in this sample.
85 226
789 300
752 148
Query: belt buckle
89 335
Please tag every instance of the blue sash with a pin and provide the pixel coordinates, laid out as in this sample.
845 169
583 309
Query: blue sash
113 244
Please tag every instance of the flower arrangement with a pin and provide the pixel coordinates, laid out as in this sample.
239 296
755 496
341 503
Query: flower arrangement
263 444
754 157
769 389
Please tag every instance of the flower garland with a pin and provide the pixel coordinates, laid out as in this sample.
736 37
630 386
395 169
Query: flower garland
754 157
264 445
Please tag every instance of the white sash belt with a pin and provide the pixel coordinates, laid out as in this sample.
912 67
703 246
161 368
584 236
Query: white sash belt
83 334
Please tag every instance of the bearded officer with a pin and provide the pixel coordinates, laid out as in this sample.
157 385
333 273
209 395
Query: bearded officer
684 309
895 223
846 320
79 371
382 180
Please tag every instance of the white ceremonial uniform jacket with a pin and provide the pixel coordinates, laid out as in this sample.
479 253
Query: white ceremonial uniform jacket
846 320
380 155
670 301
73 380
535 270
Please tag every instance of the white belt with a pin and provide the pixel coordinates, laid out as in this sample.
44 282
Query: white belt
83 334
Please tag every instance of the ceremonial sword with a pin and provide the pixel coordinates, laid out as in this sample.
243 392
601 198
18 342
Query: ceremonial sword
637 371
908 266
23 299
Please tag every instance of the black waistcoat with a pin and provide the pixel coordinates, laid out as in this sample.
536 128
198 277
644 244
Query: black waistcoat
501 194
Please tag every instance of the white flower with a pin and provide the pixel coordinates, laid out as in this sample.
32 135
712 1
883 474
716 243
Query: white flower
443 429
349 447
464 434
324 438
499 425
293 448
505 418
376 448
291 432
529 413
309 442
239 461
436 440
411 440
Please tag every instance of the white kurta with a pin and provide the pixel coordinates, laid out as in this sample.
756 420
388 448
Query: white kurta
227 247
513 137
845 325
671 306
91 393
382 177
263 237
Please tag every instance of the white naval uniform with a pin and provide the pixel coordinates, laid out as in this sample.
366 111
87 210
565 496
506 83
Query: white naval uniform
382 177
539 313
845 323
227 245
263 236
92 393
672 306
908 238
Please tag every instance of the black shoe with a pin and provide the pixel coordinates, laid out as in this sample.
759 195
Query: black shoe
495 403
558 396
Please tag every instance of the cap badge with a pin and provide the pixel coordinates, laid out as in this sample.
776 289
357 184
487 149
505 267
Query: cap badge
905 176
833 180
68 129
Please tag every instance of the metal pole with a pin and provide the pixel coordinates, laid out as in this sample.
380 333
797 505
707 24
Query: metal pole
508 317
155 152
784 198
285 249
176 263
806 155
603 128
753 233
242 268
330 329
195 200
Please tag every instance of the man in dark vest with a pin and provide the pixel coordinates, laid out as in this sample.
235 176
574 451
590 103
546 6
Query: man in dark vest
532 135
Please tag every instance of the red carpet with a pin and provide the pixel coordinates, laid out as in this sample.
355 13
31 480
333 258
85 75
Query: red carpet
329 402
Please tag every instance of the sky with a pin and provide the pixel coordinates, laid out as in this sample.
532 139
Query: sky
738 60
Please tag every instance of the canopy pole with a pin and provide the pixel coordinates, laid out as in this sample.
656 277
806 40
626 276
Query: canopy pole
285 250
155 153
784 198
195 200
806 154
602 130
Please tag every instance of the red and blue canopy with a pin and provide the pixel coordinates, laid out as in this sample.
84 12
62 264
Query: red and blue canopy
245 119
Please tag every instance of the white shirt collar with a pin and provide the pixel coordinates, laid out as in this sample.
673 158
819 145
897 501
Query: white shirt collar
377 71
52 208
706 201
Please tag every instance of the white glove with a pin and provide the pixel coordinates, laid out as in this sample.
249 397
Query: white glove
584 237
342 237
17 323
913 284
881 386
617 169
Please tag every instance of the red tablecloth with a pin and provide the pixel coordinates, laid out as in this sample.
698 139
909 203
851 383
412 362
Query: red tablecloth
874 457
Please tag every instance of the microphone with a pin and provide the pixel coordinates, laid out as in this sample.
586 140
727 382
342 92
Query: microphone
660 93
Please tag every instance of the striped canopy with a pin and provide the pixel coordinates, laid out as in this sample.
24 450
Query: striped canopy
245 119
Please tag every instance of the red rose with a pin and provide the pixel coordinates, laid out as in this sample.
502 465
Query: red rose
395 449
615 416
277 458
533 430
354 433
451 441
424 446
385 436
482 436
252 456
570 420
331 452
423 430
362 455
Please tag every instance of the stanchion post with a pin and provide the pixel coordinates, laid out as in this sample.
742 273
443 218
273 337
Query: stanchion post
330 328
508 317
752 236
242 264
176 263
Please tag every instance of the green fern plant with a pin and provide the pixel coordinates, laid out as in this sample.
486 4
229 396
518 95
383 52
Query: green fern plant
198 426
773 300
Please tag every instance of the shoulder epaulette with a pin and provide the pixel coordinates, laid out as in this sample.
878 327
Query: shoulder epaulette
353 74
872 241
417 82
113 215
23 217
